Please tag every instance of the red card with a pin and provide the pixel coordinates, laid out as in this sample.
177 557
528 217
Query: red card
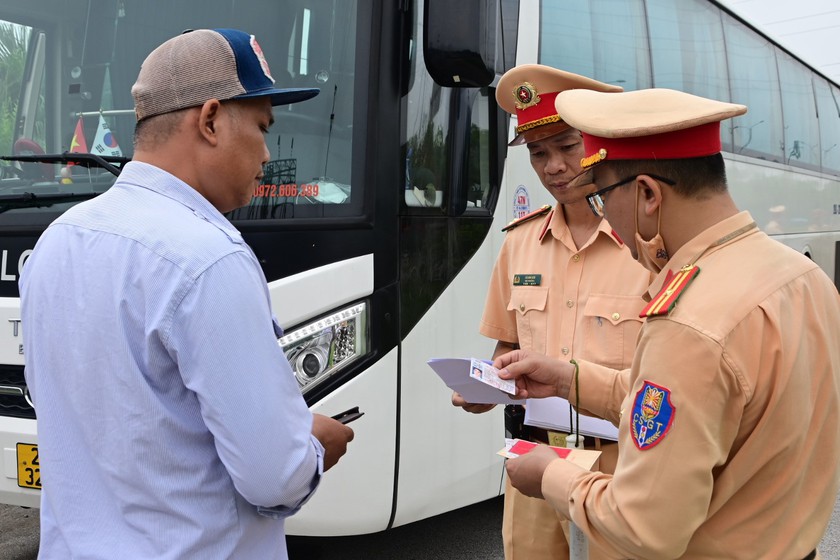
523 447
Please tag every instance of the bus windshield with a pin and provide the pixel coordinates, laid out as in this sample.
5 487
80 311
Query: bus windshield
68 67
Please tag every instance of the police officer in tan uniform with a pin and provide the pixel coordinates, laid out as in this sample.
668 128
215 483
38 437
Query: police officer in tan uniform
729 418
564 284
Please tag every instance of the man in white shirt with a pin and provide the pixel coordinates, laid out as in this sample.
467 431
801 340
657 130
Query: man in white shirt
170 423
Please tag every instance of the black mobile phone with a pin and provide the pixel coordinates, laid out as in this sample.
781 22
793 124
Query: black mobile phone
348 415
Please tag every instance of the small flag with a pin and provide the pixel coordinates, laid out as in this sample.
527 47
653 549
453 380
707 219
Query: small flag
78 144
105 144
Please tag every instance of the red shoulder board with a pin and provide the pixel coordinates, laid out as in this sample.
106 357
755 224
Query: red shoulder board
671 291
539 212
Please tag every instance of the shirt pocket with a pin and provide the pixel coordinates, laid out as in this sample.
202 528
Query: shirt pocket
611 324
529 303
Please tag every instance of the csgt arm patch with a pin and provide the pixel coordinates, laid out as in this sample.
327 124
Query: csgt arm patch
653 415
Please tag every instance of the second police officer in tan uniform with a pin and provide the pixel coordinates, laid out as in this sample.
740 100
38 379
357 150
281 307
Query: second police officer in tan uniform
729 418
564 284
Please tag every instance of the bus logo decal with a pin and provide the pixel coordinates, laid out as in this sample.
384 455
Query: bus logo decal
521 202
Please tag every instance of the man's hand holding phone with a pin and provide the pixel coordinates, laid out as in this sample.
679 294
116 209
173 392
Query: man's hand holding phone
333 435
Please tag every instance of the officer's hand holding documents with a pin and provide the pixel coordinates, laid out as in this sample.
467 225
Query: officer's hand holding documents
475 380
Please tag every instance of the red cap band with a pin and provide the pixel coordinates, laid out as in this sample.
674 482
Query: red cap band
698 141
538 114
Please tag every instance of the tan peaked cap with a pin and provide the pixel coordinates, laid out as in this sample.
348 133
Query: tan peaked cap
645 124
528 91
640 113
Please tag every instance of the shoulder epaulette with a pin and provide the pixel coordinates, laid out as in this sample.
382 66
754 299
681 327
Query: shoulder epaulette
672 289
527 217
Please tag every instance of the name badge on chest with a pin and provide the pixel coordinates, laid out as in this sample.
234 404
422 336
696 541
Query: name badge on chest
527 279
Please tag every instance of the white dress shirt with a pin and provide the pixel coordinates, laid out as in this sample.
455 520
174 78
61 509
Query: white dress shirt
167 413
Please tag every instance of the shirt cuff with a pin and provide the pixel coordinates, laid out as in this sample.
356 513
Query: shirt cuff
557 484
282 512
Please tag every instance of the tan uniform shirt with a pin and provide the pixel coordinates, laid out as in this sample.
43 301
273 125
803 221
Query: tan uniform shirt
584 304
738 390
548 296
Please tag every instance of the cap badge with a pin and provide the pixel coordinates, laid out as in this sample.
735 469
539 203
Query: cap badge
525 95
261 57
597 157
653 415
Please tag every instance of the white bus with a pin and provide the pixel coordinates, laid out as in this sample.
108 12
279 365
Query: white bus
379 221
782 156
372 224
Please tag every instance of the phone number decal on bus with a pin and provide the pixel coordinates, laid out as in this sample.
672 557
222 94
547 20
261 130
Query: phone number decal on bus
285 190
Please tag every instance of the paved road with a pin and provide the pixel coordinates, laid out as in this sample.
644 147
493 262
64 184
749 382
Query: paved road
18 533
468 534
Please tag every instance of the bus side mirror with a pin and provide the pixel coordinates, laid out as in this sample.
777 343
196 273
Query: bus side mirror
459 41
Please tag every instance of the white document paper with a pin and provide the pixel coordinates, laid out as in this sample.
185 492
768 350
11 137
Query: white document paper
455 372
553 414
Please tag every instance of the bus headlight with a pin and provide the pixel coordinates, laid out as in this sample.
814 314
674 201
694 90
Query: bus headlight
320 349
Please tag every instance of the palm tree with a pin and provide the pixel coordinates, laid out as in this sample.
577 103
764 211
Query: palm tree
14 40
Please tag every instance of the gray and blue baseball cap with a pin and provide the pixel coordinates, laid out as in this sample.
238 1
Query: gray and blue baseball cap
204 64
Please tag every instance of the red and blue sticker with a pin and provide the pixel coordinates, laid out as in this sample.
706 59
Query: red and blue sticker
653 415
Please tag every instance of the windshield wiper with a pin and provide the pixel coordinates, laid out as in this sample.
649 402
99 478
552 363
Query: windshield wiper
109 163
32 200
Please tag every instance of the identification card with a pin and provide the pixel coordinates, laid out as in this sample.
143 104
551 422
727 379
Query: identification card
489 375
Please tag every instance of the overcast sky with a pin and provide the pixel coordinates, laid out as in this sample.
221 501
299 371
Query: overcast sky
809 29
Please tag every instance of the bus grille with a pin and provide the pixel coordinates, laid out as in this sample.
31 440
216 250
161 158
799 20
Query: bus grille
12 402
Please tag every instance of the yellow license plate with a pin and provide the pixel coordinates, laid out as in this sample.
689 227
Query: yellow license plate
29 468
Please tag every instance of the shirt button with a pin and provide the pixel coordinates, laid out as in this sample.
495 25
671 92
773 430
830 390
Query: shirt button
570 303
616 316
565 350
576 258
522 307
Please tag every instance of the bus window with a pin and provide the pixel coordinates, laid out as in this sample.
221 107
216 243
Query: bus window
429 154
755 83
425 144
506 47
600 39
427 147
22 111
67 88
801 137
686 40
828 107
309 174
480 152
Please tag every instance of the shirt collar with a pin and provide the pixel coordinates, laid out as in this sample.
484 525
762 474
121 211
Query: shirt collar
699 245
555 222
155 179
